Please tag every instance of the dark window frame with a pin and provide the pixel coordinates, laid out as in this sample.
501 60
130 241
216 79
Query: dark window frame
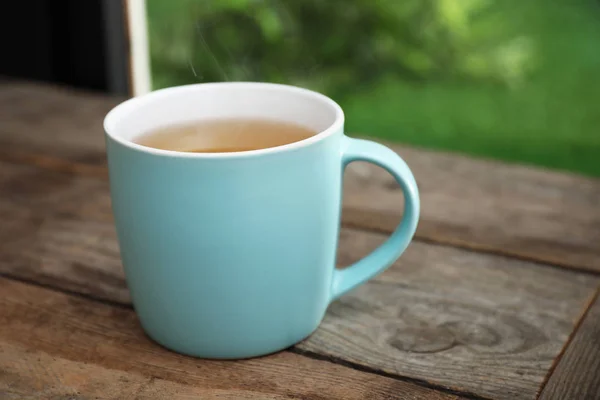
82 44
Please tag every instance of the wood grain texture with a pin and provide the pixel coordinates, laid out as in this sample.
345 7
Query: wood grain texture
57 346
473 323
57 229
506 209
53 121
478 323
577 374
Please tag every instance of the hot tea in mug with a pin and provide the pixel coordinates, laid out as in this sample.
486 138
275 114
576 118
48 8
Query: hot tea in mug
225 135
227 201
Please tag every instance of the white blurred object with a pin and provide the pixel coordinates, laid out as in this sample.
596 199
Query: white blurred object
139 59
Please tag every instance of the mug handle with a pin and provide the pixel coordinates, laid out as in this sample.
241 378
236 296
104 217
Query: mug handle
382 257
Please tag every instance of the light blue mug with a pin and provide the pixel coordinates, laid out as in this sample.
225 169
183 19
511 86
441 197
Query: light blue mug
232 255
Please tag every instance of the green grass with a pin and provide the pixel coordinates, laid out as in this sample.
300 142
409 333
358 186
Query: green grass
531 126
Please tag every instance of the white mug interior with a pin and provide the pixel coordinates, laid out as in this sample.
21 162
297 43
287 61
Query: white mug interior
185 104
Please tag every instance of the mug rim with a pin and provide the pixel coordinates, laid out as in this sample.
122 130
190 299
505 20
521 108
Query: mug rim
117 112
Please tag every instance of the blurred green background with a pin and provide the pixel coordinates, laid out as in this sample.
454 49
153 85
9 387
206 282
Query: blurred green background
512 80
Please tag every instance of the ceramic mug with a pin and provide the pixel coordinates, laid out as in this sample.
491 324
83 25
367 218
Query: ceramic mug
232 255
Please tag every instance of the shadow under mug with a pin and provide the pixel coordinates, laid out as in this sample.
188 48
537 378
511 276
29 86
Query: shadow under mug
232 255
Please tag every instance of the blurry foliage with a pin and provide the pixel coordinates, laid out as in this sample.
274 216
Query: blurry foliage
331 45
445 74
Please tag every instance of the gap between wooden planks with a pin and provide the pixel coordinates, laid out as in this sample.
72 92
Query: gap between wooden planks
459 321
576 372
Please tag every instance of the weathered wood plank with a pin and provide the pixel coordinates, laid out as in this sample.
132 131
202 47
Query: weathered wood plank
485 324
505 209
45 217
31 374
53 120
53 344
26 373
577 374
512 210
474 323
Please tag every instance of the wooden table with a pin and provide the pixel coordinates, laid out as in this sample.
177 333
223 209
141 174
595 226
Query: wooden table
497 297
